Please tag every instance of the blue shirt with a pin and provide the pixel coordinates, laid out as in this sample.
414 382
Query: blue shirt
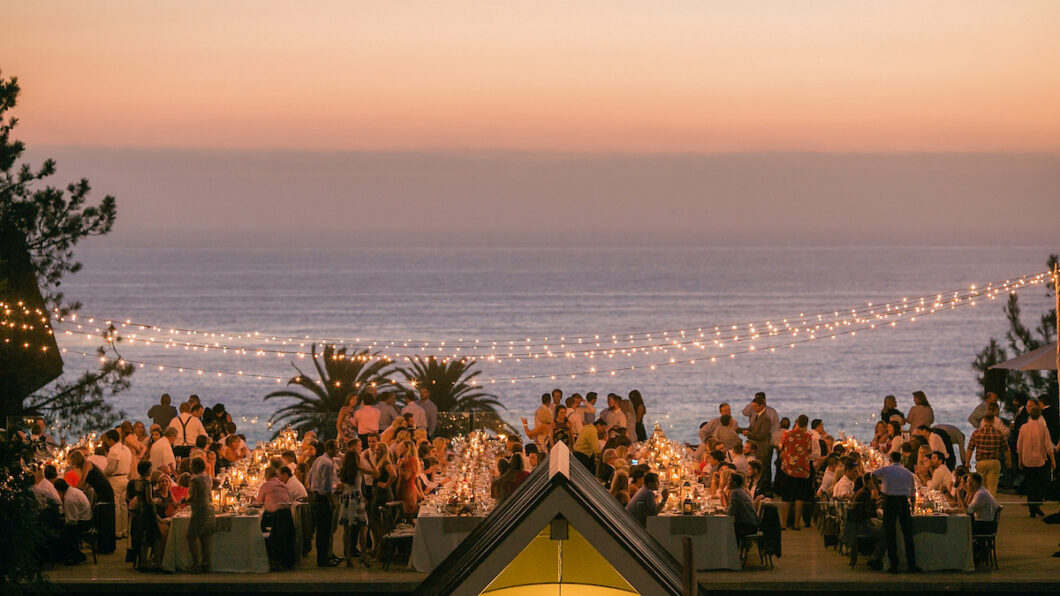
642 505
322 475
897 481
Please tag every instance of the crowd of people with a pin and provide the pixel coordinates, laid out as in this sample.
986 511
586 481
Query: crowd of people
139 475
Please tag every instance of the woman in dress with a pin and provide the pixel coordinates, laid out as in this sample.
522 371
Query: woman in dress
890 410
921 413
409 489
344 423
136 447
638 412
144 533
382 490
561 427
200 530
140 431
352 507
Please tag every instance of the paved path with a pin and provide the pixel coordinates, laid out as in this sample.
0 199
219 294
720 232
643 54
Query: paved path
1025 549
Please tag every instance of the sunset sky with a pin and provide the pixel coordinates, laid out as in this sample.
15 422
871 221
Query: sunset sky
582 78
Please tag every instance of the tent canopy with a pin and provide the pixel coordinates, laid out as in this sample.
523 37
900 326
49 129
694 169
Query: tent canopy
1044 358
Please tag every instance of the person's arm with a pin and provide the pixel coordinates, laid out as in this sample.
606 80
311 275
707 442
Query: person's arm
748 410
112 465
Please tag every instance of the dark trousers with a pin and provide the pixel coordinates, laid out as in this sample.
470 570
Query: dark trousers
767 465
103 519
70 539
1036 481
896 510
586 461
322 521
280 543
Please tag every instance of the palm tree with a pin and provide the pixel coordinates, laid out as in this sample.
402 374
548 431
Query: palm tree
319 400
452 387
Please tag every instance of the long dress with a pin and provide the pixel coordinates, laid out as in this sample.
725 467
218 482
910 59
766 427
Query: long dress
352 506
202 518
144 519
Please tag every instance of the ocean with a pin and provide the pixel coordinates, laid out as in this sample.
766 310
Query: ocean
490 293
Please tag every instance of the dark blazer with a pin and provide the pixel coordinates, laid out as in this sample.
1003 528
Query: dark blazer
763 488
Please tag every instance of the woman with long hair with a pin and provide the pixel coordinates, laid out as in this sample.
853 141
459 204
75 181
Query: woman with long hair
409 490
352 506
344 423
620 487
638 411
382 490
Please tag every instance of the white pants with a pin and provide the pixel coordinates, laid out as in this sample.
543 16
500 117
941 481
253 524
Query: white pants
121 506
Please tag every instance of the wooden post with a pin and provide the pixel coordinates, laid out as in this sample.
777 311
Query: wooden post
691 585
1056 296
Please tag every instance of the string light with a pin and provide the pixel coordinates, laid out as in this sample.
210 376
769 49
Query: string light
703 338
918 308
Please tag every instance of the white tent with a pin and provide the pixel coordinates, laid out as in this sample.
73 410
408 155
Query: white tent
1044 358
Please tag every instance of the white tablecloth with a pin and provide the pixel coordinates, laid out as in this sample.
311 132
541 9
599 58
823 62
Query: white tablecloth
437 536
943 543
238 545
713 538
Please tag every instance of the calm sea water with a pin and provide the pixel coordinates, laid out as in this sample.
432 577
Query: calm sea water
519 292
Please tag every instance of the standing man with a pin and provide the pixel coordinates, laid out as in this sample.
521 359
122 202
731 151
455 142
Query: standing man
119 465
796 452
587 446
189 428
711 427
982 409
757 408
419 416
387 410
557 399
322 481
366 419
1036 458
430 410
589 408
162 453
899 493
613 415
991 445
162 413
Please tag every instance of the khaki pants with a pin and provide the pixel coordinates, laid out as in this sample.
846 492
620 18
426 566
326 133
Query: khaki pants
121 506
990 470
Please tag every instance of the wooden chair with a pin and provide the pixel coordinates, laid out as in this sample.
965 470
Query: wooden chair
984 539
758 539
395 540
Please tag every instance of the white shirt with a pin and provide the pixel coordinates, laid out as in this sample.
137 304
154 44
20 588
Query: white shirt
897 481
983 506
827 482
588 413
296 490
119 460
576 423
162 454
366 418
941 479
935 443
188 428
614 418
45 492
419 417
100 461
844 488
76 507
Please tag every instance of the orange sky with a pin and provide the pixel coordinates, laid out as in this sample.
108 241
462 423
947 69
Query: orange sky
641 76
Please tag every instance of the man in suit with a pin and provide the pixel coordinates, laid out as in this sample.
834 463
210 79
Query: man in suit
759 487
761 434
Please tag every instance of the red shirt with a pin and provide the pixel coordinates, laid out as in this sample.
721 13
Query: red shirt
795 453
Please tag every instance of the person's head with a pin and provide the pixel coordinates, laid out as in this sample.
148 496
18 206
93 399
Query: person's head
196 410
111 437
211 457
923 431
907 449
194 399
890 402
37 428
881 427
61 487
202 441
651 480
517 463
636 476
284 474
502 466
1034 411
801 421
754 469
920 399
609 456
725 409
288 456
125 429
382 455
351 400
232 441
571 402
600 425
636 399
77 459
736 481
331 447
373 440
423 450
425 393
975 480
716 457
138 429
546 399
184 408
591 397
50 473
409 422
402 436
937 458
613 401
561 413
198 465
894 429
619 482
850 469
270 473
896 457
165 399
785 423
991 397
988 420
817 425
143 468
557 395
